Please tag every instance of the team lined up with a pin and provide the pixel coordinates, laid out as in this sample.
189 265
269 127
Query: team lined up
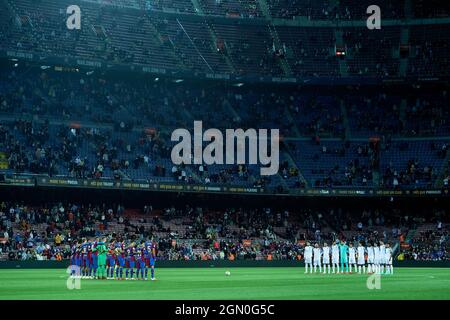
377 258
113 260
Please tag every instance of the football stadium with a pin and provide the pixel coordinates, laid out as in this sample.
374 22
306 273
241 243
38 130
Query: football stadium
224 150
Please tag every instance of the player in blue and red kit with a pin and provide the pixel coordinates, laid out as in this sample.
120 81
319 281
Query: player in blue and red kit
137 258
151 249
111 263
130 263
90 269
94 261
79 261
73 260
75 264
87 260
83 253
141 262
120 260
120 263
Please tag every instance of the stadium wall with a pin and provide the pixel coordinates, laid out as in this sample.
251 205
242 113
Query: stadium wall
210 264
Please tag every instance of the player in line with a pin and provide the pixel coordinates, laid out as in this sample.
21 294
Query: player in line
361 252
388 259
308 257
326 258
351 257
317 252
335 256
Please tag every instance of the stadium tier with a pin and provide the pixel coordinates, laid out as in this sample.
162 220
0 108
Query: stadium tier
47 232
254 38
94 126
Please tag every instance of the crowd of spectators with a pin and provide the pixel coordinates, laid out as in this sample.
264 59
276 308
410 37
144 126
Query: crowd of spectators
417 172
47 232
430 244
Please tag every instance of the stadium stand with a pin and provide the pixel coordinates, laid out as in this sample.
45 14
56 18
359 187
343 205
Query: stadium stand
133 32
47 232
427 61
115 129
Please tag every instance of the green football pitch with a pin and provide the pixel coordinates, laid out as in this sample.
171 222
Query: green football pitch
244 283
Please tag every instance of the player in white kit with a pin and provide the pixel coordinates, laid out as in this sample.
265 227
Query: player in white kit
370 258
326 258
317 258
376 258
335 256
308 257
382 257
388 259
352 257
361 258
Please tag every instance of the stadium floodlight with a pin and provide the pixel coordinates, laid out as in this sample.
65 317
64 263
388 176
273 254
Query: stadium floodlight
240 84
178 80
45 67
156 79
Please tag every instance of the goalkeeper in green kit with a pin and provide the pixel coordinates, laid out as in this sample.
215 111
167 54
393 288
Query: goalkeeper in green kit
343 253
101 251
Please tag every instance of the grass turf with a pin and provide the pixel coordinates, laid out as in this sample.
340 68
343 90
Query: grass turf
244 283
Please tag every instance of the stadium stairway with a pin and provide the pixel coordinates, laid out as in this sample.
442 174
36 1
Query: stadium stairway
197 7
408 9
410 235
215 41
277 43
343 68
264 7
291 119
153 29
348 133
440 178
403 106
287 156
396 249
9 8
404 40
